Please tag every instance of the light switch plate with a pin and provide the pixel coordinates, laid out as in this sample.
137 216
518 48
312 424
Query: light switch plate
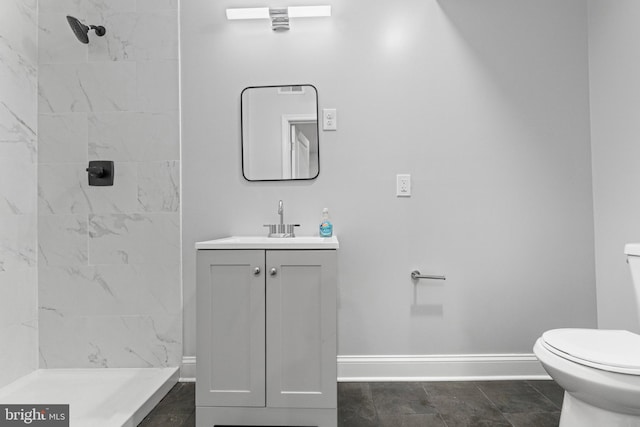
403 185
329 119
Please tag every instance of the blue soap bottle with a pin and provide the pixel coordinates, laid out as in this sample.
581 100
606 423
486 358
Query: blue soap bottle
326 227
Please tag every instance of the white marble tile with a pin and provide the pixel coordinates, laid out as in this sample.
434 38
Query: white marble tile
109 275
144 5
121 197
62 240
64 189
136 36
103 86
18 81
18 28
18 293
134 239
17 242
159 186
18 85
23 357
108 290
157 86
141 137
17 187
17 135
20 334
61 189
85 6
56 41
18 322
62 137
109 341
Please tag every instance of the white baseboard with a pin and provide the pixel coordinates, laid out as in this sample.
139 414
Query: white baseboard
456 367
188 369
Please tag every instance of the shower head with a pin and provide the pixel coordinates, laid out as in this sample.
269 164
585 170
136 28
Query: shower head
82 31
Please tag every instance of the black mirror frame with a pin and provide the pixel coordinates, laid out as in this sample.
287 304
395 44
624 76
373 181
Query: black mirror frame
242 134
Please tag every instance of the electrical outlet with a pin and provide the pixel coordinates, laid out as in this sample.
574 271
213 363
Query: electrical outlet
329 119
403 185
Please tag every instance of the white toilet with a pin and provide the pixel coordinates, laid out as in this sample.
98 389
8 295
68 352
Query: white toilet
598 369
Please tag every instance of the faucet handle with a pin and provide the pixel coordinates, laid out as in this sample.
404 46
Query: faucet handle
272 228
290 229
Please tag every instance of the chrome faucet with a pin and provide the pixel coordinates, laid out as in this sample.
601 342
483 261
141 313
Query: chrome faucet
282 229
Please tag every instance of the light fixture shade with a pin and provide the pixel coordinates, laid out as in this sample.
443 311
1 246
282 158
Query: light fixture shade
309 11
292 11
248 13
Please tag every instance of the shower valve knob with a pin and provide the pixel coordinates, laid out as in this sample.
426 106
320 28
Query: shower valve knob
100 172
96 171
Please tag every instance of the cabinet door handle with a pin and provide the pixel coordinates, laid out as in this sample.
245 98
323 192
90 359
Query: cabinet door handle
256 271
273 271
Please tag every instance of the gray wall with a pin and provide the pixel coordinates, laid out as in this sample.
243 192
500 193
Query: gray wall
615 101
485 104
18 157
109 257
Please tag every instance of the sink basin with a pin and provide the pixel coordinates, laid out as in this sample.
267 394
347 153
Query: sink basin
261 242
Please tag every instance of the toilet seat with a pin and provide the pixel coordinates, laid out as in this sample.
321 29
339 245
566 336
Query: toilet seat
608 350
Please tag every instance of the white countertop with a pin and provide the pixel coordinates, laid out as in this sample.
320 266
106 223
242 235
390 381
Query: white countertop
261 242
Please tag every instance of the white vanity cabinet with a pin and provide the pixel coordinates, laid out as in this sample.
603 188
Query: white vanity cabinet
266 330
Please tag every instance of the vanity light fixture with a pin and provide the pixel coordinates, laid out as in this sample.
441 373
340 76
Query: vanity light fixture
279 15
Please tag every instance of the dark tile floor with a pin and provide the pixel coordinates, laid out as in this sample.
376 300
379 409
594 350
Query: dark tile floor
424 404
177 409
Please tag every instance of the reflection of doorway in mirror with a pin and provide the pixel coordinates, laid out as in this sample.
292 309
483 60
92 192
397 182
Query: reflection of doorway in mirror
299 146
301 149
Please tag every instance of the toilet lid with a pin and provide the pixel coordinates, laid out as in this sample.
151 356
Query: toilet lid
609 350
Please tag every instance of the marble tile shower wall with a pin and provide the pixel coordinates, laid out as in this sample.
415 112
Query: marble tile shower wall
109 257
18 237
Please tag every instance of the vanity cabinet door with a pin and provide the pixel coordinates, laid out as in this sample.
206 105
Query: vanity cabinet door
230 328
301 329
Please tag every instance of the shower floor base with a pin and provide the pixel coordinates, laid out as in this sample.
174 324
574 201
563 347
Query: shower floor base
96 397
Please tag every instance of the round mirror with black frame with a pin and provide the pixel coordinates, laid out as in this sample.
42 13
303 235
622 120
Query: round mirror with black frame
280 133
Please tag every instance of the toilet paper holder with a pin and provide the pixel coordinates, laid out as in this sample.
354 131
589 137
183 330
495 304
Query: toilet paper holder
416 275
